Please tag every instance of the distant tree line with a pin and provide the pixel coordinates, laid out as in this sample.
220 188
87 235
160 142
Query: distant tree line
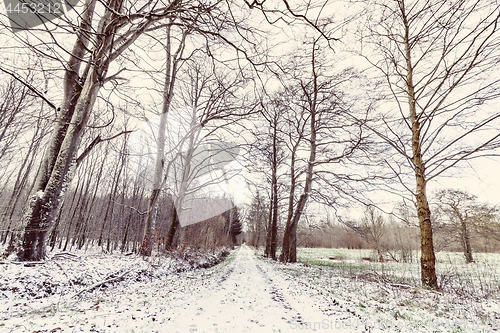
462 224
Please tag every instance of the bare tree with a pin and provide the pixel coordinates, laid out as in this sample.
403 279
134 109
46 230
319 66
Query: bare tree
212 101
297 124
318 98
372 228
255 221
463 215
16 100
488 226
103 35
273 154
37 130
437 60
173 59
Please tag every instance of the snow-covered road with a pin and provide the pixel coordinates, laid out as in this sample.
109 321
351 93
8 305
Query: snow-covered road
240 295
249 296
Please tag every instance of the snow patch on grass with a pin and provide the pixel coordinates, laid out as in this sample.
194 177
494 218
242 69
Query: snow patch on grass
378 295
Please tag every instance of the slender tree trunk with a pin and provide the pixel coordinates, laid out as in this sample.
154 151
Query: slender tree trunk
125 234
122 210
267 252
168 92
428 259
274 225
290 254
76 214
54 232
466 241
82 238
135 199
121 165
88 213
21 179
289 228
82 207
150 223
138 222
79 226
272 240
259 225
174 218
108 216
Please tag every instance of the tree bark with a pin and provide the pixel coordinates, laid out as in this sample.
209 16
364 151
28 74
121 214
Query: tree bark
168 92
289 228
427 259
267 251
174 225
272 235
57 168
466 240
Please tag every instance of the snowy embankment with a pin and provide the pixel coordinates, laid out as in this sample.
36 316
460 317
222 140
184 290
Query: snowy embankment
114 293
242 294
44 296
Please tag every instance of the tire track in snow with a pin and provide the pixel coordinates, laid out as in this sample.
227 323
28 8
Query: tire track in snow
278 296
246 295
249 296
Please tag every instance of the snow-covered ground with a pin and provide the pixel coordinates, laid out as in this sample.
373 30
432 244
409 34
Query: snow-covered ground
241 294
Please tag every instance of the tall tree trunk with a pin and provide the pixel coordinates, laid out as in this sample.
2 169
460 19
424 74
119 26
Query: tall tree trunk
274 224
290 253
107 219
121 165
59 162
428 259
88 213
134 200
54 232
168 93
72 219
174 218
150 223
269 223
272 234
259 224
82 207
290 229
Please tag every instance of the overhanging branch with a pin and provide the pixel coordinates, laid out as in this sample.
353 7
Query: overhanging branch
39 94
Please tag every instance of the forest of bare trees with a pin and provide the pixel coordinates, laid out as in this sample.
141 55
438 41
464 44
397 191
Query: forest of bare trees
151 126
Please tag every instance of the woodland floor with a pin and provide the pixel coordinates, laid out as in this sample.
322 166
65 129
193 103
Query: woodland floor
241 294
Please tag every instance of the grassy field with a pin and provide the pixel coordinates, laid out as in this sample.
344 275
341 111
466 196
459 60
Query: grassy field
481 279
388 294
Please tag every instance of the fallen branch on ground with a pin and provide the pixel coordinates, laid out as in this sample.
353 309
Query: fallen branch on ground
107 280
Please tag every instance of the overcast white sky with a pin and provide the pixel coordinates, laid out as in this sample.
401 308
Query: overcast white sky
482 179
